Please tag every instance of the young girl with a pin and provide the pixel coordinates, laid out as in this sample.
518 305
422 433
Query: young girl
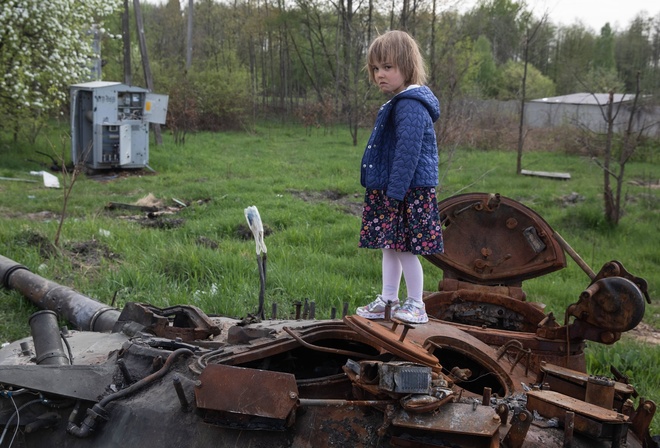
400 173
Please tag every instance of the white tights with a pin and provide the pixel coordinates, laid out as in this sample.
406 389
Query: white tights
395 263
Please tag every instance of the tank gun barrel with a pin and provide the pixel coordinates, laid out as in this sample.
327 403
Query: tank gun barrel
81 311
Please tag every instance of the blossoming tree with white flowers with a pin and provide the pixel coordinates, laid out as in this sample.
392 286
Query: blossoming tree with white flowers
45 46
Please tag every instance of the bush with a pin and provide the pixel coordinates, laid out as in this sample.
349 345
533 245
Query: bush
208 100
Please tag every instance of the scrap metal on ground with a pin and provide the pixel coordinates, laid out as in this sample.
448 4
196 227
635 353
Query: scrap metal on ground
490 369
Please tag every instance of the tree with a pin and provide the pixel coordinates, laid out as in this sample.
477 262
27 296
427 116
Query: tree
604 50
612 198
537 85
575 50
453 70
634 52
541 48
44 48
497 20
486 75
531 31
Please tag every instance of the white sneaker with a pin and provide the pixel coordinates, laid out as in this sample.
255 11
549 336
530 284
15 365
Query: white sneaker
412 312
376 309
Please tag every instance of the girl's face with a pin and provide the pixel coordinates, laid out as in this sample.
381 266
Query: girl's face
389 78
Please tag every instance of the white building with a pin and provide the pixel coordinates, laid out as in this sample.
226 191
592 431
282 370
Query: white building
587 110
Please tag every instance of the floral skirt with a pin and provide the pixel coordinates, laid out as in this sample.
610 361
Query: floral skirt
414 226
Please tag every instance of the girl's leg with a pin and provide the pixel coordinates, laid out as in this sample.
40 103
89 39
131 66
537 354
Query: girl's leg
413 274
392 270
413 310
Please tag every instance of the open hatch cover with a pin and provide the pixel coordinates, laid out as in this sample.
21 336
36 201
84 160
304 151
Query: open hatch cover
493 240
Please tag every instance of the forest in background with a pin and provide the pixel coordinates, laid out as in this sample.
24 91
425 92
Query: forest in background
306 58
226 65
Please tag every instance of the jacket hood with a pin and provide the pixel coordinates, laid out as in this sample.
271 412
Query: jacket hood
424 95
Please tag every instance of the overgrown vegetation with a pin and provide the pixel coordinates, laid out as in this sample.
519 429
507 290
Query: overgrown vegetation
305 183
242 61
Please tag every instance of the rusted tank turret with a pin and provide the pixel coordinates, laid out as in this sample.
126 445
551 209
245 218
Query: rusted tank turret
490 369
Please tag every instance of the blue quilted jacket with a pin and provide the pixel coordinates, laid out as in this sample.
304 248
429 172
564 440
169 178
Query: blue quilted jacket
402 151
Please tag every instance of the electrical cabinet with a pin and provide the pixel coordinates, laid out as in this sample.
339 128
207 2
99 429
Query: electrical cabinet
110 124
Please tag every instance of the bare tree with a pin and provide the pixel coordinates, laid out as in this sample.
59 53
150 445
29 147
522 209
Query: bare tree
614 170
613 208
530 34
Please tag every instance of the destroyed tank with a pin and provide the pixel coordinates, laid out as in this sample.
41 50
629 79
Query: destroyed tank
491 368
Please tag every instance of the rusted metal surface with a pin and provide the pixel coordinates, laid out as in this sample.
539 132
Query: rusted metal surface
515 437
641 422
574 383
569 427
483 308
608 307
392 341
552 351
248 398
516 245
186 322
600 391
275 344
590 419
473 425
451 343
486 298
615 269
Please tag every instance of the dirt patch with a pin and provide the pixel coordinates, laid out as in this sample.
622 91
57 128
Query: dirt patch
31 238
243 232
571 199
645 333
207 242
347 203
650 184
87 254
109 175
81 254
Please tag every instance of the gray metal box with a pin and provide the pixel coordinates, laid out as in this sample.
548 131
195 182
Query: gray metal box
110 124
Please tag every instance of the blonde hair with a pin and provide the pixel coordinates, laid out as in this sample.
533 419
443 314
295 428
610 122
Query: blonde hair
401 50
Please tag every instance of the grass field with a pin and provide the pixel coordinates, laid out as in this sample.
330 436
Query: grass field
306 187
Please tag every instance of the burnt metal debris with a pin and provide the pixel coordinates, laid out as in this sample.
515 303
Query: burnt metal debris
490 369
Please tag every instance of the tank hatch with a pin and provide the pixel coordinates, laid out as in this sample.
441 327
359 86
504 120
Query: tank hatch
493 240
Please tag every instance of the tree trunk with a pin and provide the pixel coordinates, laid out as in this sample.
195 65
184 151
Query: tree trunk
145 62
529 37
126 38
189 36
610 209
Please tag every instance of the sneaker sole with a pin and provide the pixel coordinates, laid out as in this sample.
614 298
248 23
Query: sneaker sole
413 320
368 315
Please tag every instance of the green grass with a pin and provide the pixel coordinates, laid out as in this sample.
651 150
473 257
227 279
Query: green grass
303 186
